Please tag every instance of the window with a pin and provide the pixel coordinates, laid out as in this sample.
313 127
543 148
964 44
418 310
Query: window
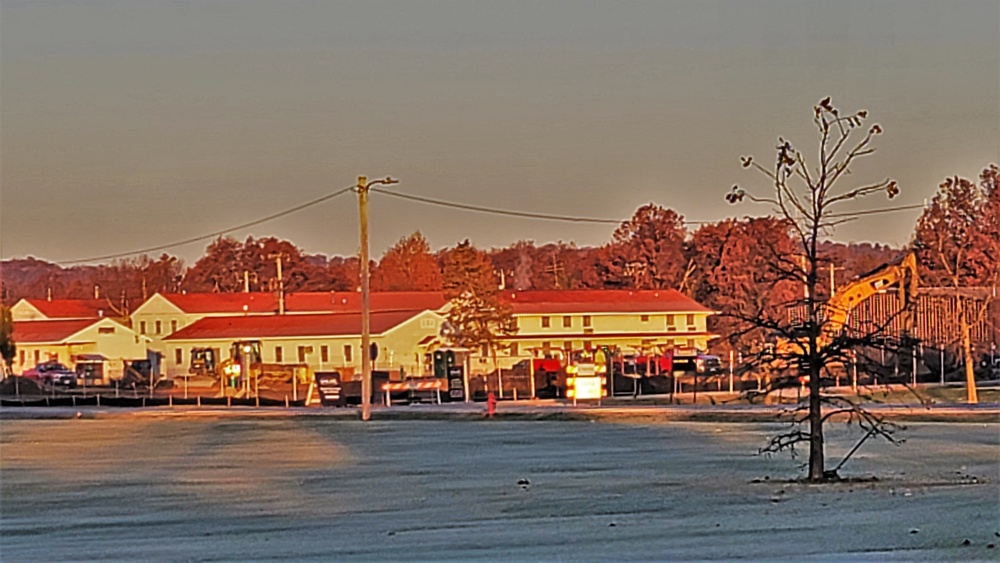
670 322
173 327
568 345
302 354
513 349
567 321
142 327
324 353
427 323
545 322
20 356
279 354
159 327
586 320
588 345
348 353
546 348
644 318
37 356
106 330
690 320
690 343
178 356
484 351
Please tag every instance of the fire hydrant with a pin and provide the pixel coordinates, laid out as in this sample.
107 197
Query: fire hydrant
491 404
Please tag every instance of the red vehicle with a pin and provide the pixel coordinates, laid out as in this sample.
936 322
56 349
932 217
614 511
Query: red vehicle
52 373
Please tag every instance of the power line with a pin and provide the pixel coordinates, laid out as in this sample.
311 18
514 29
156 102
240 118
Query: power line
876 211
495 211
253 223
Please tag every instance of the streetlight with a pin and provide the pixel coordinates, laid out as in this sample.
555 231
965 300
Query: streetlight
366 361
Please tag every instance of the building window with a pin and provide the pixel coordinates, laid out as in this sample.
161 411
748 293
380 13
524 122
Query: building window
644 318
178 356
567 321
20 356
279 354
324 353
690 320
586 320
159 327
37 356
545 322
348 353
173 327
106 330
546 348
670 322
568 345
587 345
690 343
428 323
302 354
484 351
513 348
142 327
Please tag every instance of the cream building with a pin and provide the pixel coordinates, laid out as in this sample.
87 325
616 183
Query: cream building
104 341
550 323
324 342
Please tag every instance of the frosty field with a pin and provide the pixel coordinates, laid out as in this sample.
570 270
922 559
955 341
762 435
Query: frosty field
314 488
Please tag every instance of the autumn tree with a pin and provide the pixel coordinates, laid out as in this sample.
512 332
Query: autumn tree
407 266
7 347
480 319
957 241
809 196
647 251
230 266
735 273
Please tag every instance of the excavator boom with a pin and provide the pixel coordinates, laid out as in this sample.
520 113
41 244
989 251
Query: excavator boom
901 273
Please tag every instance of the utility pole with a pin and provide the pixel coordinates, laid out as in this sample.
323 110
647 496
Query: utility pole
278 257
366 360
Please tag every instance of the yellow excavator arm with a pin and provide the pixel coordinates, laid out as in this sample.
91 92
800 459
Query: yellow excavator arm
901 273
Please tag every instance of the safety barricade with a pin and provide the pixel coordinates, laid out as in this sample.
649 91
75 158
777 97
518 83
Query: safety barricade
411 385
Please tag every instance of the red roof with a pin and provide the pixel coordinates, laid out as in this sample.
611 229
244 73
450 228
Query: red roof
306 302
602 301
73 308
33 332
278 326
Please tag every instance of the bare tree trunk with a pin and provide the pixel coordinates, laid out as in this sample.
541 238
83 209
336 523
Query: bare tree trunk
971 394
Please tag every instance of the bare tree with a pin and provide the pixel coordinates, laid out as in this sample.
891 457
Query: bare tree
812 199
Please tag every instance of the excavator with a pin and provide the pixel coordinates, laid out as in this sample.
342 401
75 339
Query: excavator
901 273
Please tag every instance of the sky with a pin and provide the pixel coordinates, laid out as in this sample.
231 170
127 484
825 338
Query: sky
131 124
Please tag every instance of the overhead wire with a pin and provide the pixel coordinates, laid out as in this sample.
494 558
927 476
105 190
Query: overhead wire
419 199
215 234
496 211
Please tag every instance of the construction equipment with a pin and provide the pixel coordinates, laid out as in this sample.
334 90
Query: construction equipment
901 273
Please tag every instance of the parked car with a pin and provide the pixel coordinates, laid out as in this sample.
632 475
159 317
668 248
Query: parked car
52 373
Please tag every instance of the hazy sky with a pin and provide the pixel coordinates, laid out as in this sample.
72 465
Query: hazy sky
127 124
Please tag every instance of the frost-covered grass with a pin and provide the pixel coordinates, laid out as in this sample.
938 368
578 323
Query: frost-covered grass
314 488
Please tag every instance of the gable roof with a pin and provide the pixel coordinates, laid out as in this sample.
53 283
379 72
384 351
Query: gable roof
37 332
304 302
602 301
279 326
72 308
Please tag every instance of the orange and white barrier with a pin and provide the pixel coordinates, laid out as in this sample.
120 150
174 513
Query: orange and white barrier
429 384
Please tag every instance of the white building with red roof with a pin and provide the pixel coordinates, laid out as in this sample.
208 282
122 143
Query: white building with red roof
639 321
53 309
102 341
323 341
323 329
